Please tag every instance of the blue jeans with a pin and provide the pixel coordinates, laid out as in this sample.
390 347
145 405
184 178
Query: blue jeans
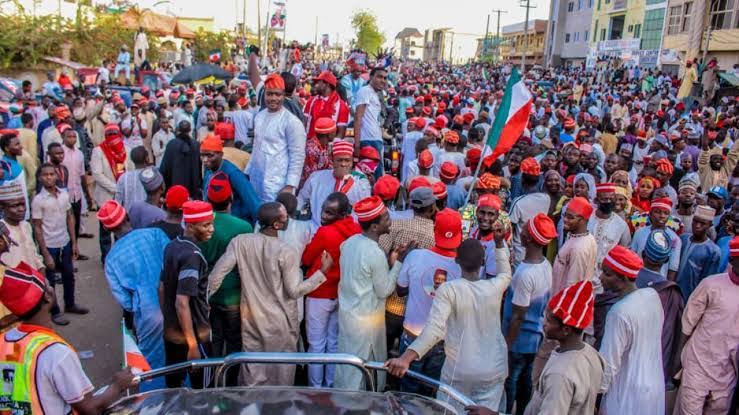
62 265
430 365
380 147
518 386
124 67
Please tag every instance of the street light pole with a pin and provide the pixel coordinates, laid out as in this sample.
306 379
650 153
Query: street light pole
497 35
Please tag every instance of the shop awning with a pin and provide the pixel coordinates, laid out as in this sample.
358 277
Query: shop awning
158 24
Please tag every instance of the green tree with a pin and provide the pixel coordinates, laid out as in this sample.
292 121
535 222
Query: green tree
369 36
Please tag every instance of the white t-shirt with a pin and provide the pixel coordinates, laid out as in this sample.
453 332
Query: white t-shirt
524 208
418 273
370 128
531 282
60 380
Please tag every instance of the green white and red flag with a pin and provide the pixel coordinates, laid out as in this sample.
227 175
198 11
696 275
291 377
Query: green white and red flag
511 117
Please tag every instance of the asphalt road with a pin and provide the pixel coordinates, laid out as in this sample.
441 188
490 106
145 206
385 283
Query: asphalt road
99 331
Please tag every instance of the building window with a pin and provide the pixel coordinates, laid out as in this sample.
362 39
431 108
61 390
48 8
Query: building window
652 29
598 5
595 32
673 21
567 38
579 4
585 36
590 4
721 14
637 31
602 34
570 6
608 1
631 28
687 9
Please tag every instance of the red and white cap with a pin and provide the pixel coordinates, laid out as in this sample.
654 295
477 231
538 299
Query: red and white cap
325 125
439 189
661 203
734 247
542 229
574 305
448 170
111 214
195 211
369 208
605 188
580 206
22 288
342 148
623 261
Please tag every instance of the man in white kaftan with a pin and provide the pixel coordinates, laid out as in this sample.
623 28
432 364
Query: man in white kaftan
365 283
633 380
322 183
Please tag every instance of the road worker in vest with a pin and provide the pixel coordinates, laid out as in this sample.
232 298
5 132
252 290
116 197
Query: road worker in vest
41 373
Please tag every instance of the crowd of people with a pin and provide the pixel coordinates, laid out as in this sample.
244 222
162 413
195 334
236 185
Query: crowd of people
591 266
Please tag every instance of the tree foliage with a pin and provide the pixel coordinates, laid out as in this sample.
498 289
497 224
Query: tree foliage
206 41
369 36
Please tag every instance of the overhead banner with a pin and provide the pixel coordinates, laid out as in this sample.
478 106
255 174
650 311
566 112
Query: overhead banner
277 22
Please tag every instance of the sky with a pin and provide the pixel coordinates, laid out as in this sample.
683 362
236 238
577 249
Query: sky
334 16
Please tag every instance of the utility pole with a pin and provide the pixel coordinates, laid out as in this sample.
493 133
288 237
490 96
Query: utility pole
259 22
528 7
485 42
243 28
497 35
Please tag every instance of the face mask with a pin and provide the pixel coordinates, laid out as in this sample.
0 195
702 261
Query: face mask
606 208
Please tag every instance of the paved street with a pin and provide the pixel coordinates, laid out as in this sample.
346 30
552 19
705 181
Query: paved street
100 330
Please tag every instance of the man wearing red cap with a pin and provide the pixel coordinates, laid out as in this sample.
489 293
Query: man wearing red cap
408 146
133 268
326 103
659 212
365 283
183 294
633 379
423 272
526 206
269 266
370 114
279 145
41 371
571 379
448 173
523 309
451 151
466 315
340 178
244 200
386 188
608 228
422 166
708 359
352 83
225 315
175 197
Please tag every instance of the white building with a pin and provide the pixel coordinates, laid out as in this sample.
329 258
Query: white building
409 44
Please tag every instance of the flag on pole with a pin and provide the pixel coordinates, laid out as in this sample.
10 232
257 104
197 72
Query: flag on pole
132 355
215 55
511 118
485 74
277 22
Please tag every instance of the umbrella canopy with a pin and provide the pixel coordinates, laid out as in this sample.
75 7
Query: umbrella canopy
200 71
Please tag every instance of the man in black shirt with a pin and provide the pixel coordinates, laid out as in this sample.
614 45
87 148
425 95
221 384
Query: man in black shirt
173 201
183 294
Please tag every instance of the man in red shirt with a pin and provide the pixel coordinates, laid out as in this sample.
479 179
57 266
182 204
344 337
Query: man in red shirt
326 103
321 306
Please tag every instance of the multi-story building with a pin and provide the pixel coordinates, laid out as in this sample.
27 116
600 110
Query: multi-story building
409 44
437 44
686 30
513 41
569 33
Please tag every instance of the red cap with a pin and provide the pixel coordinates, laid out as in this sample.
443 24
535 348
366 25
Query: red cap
112 130
734 247
569 123
386 187
574 305
418 181
274 81
439 189
580 206
369 152
432 131
530 166
212 143
451 137
8 131
623 261
219 188
440 122
448 229
22 288
448 170
468 118
425 159
62 112
176 197
488 181
489 200
111 214
664 166
661 203
426 111
369 208
409 110
225 130
342 148
196 211
473 156
325 125
327 77
605 188
62 127
542 229
420 123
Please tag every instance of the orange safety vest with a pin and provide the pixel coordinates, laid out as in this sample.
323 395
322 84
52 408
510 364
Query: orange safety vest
18 394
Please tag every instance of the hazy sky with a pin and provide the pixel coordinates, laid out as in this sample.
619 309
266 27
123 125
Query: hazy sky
463 16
